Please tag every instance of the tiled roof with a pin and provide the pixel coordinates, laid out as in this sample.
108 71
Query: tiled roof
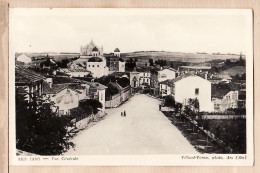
196 67
95 59
225 76
26 76
97 85
116 85
169 68
168 82
172 81
54 89
67 80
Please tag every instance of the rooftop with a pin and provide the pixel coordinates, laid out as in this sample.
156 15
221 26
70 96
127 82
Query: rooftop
116 50
26 76
95 59
95 49
54 89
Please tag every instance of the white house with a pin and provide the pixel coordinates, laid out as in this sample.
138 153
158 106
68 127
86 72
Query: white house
121 65
192 86
167 73
24 58
230 100
165 87
97 91
144 78
97 67
63 97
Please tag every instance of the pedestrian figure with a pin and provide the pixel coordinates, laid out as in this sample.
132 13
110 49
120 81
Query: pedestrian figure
124 113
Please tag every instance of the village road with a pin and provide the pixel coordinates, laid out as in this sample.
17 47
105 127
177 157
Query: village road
144 130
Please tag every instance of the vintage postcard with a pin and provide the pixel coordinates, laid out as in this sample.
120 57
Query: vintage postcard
131 87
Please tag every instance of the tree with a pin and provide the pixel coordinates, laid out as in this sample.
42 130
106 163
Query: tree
90 106
169 101
40 130
151 62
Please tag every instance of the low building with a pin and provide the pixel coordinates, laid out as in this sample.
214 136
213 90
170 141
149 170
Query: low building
115 63
75 72
23 58
97 67
134 79
165 87
28 82
144 77
166 73
194 69
97 91
225 78
63 97
228 101
189 86
123 94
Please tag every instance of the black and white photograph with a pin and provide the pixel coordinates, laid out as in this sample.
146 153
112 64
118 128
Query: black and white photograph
131 86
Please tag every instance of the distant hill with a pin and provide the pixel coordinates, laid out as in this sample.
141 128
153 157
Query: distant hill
179 56
233 71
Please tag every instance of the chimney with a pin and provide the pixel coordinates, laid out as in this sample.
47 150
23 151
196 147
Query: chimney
49 81
206 76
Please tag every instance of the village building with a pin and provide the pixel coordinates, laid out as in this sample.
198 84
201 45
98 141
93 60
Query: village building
144 77
63 97
97 91
28 83
97 67
228 101
194 69
166 73
231 100
92 60
23 58
115 63
85 89
75 72
165 87
116 99
134 79
225 78
189 86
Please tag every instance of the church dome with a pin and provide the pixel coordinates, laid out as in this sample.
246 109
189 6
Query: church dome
95 49
116 50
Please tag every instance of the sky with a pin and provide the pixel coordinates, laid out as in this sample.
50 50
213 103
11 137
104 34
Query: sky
65 30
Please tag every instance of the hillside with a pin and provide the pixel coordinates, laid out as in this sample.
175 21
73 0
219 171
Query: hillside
178 56
233 71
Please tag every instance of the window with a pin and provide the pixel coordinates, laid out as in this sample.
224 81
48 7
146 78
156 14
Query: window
197 91
88 65
93 65
97 65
